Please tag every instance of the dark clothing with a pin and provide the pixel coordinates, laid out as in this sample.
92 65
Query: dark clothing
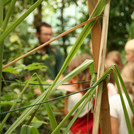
53 59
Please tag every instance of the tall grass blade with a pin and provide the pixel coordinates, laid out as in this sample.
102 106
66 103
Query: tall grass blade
28 130
1 47
51 116
124 89
8 14
129 126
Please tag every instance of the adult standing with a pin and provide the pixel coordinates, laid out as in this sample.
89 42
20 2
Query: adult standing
49 55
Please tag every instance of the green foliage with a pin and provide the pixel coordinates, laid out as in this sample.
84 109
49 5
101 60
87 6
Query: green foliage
119 23
18 42
28 130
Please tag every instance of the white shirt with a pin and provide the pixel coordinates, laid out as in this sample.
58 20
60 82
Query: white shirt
111 90
72 101
116 110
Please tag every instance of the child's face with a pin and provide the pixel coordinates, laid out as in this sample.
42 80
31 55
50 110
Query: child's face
74 80
129 56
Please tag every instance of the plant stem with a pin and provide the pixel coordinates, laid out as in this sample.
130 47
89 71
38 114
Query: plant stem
1 47
8 14
1 13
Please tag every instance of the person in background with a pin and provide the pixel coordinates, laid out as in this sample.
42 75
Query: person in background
118 122
111 88
129 49
115 57
49 56
112 58
84 123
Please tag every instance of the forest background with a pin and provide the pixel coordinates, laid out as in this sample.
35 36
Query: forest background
63 15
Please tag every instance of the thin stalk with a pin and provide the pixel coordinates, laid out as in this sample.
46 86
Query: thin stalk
3 25
48 109
18 21
1 46
125 90
8 14
101 62
1 13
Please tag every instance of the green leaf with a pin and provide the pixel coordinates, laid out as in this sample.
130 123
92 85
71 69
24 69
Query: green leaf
5 103
28 130
51 117
10 70
37 123
14 38
13 106
35 66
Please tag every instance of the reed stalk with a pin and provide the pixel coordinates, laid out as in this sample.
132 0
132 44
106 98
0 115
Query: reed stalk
1 46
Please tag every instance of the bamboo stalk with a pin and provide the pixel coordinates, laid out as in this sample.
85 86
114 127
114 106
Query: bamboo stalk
101 64
95 35
105 122
45 44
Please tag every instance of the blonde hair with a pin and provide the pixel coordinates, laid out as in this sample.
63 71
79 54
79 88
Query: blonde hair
130 45
128 77
83 76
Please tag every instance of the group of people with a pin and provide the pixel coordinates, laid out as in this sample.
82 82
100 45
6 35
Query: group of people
83 125
118 124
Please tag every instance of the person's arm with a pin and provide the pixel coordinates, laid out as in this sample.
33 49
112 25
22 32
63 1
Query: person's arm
114 125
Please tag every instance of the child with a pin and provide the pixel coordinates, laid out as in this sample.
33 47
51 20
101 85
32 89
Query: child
84 122
118 123
129 48
115 58
112 58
